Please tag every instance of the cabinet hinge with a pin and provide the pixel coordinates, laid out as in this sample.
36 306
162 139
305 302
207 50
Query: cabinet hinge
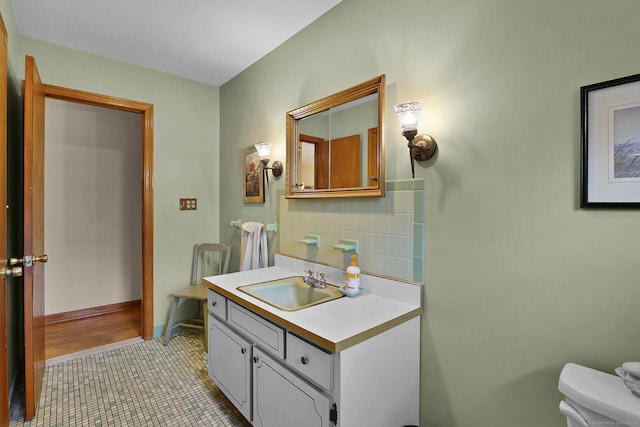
333 414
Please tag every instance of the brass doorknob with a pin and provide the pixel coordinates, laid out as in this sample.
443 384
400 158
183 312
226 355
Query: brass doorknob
41 258
11 271
29 260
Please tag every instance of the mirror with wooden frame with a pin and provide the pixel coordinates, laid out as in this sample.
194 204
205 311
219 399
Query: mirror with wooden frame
335 145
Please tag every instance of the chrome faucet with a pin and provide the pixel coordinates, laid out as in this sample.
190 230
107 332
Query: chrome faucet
319 282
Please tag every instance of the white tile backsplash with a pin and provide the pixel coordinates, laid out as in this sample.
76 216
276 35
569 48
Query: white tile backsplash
384 227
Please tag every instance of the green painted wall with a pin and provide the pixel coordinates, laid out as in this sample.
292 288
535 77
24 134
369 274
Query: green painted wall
518 279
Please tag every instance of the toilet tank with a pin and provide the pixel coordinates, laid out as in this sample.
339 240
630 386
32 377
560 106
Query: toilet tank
592 393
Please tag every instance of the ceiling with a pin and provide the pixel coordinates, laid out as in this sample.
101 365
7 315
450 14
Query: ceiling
209 41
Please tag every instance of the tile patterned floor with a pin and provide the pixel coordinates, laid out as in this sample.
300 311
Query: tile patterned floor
143 384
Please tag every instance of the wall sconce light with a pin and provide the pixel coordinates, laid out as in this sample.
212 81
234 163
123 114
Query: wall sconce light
421 147
264 152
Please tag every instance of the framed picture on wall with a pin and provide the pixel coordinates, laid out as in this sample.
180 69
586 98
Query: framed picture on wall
253 185
610 169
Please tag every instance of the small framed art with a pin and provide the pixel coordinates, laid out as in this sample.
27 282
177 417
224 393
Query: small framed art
253 184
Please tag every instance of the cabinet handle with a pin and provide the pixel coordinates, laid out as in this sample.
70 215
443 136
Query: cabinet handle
304 360
243 350
255 359
214 303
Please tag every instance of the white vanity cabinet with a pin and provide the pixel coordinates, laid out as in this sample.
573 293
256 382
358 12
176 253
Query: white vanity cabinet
278 376
258 382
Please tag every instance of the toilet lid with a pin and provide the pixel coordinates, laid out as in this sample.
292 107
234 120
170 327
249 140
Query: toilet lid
600 392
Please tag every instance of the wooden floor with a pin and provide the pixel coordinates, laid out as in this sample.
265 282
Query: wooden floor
76 335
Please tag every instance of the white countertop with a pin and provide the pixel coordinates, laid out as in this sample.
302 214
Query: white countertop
334 325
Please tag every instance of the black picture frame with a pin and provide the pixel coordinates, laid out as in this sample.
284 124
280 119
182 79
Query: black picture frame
610 116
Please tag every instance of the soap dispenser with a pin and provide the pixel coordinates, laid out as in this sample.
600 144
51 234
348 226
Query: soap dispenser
353 276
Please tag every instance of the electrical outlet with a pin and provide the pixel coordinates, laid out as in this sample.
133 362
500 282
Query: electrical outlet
188 204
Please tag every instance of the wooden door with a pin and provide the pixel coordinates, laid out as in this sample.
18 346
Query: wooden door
321 166
344 160
4 346
337 162
33 98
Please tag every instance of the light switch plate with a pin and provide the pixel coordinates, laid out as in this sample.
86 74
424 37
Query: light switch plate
188 204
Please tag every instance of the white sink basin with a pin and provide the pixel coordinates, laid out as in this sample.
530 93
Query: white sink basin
290 294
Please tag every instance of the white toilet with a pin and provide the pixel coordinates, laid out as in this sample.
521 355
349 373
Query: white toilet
596 398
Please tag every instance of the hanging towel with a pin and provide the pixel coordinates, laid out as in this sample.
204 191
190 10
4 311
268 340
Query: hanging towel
253 246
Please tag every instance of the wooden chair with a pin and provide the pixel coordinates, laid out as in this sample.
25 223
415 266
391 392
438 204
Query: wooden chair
209 259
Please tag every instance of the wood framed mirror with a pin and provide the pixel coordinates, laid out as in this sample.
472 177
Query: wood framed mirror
335 145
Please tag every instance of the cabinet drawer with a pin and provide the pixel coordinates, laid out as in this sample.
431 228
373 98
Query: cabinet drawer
311 361
217 304
264 333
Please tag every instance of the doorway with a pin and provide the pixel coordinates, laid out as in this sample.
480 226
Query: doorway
93 223
145 111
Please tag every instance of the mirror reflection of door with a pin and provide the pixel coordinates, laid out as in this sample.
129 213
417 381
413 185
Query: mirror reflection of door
344 162
329 164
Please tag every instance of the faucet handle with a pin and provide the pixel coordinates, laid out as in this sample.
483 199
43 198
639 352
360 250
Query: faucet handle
322 277
311 273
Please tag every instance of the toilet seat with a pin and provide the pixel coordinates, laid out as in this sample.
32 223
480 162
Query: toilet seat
598 393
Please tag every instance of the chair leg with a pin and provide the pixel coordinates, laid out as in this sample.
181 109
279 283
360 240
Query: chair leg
174 308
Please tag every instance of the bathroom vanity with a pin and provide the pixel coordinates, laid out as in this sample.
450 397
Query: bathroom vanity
348 362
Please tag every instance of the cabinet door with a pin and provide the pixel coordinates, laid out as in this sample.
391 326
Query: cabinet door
230 364
282 399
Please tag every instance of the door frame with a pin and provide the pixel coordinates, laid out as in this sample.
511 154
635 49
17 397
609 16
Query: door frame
146 110
4 334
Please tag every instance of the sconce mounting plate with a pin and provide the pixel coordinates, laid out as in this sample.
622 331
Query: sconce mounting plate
277 168
424 147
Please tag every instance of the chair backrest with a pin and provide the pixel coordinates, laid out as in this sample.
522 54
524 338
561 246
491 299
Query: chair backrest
209 259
